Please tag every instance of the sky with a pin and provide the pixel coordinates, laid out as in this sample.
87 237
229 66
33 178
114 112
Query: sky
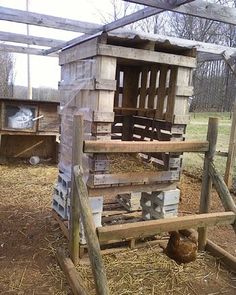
45 71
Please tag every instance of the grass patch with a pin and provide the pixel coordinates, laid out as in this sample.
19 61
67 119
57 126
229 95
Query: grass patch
197 130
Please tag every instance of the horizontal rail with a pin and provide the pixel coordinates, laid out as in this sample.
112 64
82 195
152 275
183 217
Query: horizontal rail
113 146
121 232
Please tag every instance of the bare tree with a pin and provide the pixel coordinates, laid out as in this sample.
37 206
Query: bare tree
6 74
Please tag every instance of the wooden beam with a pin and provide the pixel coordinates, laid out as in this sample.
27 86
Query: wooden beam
113 146
121 232
231 151
224 256
77 152
206 180
115 190
30 40
146 55
23 49
75 281
93 245
199 8
222 190
43 20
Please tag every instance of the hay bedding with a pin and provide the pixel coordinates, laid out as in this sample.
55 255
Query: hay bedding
29 267
148 271
124 163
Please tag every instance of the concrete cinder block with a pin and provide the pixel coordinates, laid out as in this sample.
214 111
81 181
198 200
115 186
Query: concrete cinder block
166 198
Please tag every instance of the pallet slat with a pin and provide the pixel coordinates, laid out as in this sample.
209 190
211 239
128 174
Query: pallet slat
113 146
141 229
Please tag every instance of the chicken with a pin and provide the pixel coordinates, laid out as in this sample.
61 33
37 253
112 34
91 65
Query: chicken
182 251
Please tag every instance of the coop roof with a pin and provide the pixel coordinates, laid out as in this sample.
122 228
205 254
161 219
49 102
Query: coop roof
205 51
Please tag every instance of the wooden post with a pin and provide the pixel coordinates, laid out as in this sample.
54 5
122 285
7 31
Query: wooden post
231 151
206 180
74 279
94 251
77 151
223 191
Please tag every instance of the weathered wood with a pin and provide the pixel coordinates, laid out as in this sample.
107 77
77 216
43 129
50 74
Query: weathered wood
141 229
146 55
74 279
222 190
77 152
224 256
144 86
30 40
206 181
231 151
23 49
114 190
197 8
132 177
97 265
62 225
130 87
152 87
161 93
113 146
43 20
169 116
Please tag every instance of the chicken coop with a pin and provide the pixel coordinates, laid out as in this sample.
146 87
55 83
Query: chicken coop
130 89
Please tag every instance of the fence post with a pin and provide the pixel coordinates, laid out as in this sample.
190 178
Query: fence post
77 152
206 180
231 151
92 241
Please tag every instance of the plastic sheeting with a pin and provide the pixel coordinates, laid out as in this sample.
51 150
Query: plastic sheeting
75 93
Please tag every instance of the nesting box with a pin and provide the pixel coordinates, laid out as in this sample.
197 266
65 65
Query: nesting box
134 88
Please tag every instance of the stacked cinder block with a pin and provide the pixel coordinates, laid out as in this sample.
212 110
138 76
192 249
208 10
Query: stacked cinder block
96 204
130 201
60 202
157 205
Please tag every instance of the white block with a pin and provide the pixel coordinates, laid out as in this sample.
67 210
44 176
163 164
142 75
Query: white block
167 197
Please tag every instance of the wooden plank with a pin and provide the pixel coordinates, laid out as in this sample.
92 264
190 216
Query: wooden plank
231 151
28 39
93 245
75 281
77 152
130 87
61 224
22 49
146 55
199 8
161 93
148 228
206 180
222 190
152 87
171 95
43 20
103 116
114 190
113 146
224 256
143 92
133 177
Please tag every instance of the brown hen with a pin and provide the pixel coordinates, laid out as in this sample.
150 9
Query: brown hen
182 251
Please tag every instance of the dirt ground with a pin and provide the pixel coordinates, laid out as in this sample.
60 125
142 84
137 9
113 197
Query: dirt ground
29 235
